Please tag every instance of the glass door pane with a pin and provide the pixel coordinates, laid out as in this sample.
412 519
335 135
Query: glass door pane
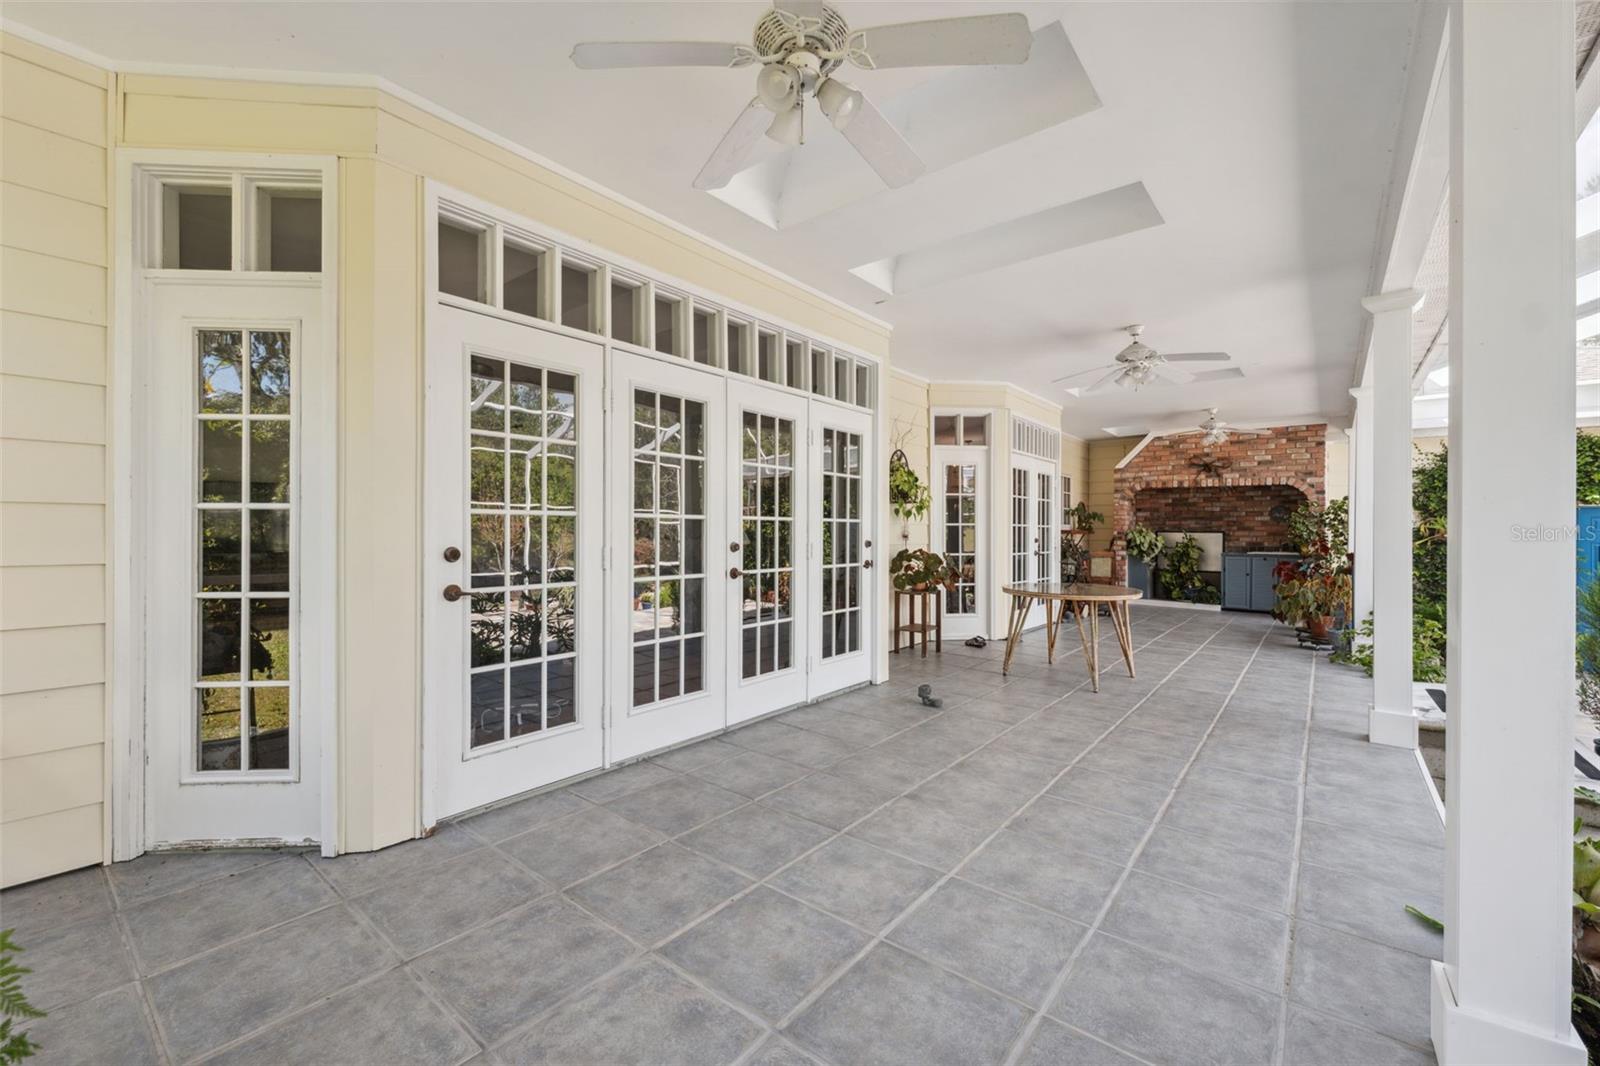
843 585
960 485
522 428
767 473
1044 526
669 550
243 484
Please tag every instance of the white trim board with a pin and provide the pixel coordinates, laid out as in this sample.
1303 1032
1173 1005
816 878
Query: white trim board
126 452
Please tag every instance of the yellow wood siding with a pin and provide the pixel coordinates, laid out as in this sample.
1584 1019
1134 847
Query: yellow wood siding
55 121
1104 455
907 411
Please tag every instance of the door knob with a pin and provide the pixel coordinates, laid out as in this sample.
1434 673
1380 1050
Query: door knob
452 593
452 554
733 546
866 564
868 543
735 572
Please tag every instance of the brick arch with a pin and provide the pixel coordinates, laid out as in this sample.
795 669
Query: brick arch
1285 456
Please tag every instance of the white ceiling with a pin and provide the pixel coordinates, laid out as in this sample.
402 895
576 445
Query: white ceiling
1262 132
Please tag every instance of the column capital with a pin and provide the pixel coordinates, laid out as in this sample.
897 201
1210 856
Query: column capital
1362 392
1399 300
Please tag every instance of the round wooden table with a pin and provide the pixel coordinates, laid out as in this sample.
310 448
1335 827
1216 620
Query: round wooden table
1082 599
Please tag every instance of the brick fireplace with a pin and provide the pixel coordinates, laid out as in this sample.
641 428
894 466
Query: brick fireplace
1245 488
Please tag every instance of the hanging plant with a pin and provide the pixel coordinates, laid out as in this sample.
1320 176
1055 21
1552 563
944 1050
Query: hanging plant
909 498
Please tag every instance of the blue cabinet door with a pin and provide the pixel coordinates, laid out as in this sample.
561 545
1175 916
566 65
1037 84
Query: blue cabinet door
1236 582
1263 582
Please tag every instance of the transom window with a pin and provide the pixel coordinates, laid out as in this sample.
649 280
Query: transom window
958 430
483 260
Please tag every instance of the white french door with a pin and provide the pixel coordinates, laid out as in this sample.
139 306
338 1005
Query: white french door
1033 532
513 568
843 485
668 635
961 532
236 529
769 516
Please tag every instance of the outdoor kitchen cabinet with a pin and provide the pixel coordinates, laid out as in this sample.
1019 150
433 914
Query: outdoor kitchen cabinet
1248 581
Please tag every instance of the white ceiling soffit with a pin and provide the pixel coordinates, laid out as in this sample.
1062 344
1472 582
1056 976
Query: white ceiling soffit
953 116
1055 229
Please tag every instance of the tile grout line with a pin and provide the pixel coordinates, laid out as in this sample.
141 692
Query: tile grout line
651 950
1053 991
818 991
346 900
1294 868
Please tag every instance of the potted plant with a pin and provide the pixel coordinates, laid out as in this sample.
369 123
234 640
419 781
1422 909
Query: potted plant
1075 540
1313 592
1180 573
918 569
1144 546
909 498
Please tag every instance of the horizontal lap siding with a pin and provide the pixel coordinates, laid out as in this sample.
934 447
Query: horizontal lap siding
907 411
54 120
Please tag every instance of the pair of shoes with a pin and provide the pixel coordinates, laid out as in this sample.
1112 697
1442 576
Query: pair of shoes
977 642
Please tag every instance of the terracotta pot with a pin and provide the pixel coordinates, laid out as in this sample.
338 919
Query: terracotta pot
1319 627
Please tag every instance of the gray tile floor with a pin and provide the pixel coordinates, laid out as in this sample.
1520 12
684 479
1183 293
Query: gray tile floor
1208 864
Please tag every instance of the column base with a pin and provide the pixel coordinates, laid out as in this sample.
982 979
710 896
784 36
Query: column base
1463 1037
1394 729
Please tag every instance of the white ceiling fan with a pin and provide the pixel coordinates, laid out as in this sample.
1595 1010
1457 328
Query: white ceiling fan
1214 430
1139 365
799 44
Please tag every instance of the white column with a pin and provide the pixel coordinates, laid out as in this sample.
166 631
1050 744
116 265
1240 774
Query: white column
1392 721
1361 500
1503 993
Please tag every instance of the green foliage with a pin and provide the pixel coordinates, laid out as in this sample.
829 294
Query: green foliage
1427 647
1083 520
14 1005
911 567
1323 531
1588 468
909 498
1144 544
1430 481
1180 571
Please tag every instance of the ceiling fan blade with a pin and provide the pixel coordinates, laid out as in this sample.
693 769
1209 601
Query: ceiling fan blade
1171 376
977 40
612 55
1196 357
881 145
1078 374
733 151
1107 382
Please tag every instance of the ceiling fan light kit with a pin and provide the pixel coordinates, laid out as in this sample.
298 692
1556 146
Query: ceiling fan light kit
1138 365
799 45
789 126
